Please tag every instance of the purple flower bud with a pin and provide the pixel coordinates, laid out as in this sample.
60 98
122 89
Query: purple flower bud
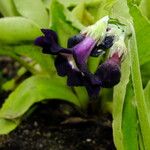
109 72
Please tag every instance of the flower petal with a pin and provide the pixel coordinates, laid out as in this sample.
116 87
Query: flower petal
109 73
62 65
75 78
82 51
49 43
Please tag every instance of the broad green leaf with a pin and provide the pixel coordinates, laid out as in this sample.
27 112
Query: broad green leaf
34 10
33 90
142 29
7 125
130 121
145 7
137 81
7 8
118 104
59 22
18 29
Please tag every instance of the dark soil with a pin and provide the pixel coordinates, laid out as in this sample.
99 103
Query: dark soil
55 126
44 130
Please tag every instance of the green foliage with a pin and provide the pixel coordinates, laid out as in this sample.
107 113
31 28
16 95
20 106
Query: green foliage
7 8
58 19
142 30
7 125
33 90
34 10
18 29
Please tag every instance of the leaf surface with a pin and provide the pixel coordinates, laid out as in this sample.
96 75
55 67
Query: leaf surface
33 90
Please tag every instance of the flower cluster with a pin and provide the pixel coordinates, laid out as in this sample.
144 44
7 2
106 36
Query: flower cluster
93 41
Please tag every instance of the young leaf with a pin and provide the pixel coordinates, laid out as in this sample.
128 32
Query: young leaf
18 29
34 10
33 90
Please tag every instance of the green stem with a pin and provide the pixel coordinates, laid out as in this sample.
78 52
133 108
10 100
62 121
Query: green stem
138 90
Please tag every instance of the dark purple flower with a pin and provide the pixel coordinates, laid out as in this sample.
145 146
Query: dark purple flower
72 61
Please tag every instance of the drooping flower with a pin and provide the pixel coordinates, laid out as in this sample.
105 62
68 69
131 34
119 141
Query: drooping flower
72 61
109 72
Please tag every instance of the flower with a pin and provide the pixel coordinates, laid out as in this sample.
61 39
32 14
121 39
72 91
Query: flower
109 72
93 41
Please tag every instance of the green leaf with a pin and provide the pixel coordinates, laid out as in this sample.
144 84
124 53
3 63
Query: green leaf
82 15
7 8
7 125
18 29
137 83
142 29
33 90
59 22
118 104
130 121
34 10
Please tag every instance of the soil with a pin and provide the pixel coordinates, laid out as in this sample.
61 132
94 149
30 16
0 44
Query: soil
51 127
